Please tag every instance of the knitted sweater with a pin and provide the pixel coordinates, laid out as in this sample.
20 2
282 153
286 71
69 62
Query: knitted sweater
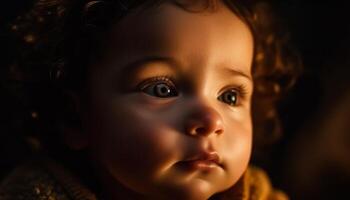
48 180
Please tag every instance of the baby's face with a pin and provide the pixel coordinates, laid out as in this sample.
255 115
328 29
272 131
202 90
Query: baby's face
169 104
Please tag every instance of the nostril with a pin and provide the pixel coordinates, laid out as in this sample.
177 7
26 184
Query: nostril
204 122
200 130
219 131
206 131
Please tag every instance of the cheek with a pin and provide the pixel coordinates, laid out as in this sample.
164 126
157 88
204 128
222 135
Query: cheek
131 137
236 145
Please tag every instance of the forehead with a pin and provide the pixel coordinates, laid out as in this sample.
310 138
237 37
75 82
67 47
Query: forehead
171 31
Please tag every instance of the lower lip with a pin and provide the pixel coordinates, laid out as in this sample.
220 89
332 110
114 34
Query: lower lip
200 165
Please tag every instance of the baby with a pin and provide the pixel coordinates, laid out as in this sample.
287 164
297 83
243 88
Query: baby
156 99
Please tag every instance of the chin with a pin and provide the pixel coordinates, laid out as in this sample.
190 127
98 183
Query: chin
200 190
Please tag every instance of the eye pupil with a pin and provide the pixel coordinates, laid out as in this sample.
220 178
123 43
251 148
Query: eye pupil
229 97
162 90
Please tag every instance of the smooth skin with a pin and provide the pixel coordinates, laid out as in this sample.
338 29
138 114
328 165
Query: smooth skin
173 85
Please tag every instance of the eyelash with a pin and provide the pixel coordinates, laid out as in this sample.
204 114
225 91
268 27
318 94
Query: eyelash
168 80
241 90
157 79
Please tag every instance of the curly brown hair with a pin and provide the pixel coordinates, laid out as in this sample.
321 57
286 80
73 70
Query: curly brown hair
60 38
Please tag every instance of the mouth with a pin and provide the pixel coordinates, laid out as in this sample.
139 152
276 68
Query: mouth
205 161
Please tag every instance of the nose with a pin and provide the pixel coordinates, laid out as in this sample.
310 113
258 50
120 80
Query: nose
204 121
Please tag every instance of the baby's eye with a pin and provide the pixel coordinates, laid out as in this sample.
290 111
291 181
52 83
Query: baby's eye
161 87
230 97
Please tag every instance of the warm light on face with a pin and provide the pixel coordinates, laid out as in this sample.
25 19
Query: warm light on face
170 107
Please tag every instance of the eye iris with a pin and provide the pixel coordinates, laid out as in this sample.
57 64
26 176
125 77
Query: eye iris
162 90
230 97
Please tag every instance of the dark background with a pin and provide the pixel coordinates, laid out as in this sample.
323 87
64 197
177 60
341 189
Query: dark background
311 160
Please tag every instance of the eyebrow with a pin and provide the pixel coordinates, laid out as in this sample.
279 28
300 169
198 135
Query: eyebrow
238 72
133 66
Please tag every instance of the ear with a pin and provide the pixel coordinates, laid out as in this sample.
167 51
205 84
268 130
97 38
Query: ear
73 135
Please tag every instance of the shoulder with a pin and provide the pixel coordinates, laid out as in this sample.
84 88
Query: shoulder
259 186
254 184
43 179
